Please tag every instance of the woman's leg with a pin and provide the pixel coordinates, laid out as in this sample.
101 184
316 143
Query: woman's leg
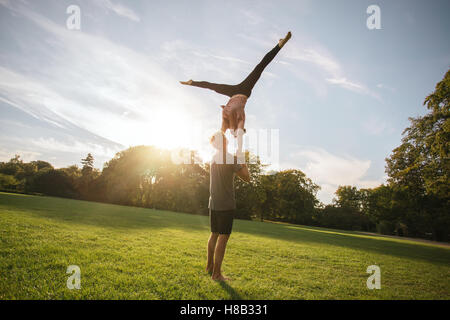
246 86
226 89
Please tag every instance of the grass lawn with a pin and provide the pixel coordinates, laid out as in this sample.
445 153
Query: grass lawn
136 253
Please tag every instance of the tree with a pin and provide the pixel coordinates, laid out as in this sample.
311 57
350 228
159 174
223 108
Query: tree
39 164
53 183
85 178
12 167
332 216
377 205
419 168
88 164
289 196
348 197
250 196
348 210
8 182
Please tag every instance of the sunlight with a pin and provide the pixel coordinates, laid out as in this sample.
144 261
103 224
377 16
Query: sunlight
169 128
173 127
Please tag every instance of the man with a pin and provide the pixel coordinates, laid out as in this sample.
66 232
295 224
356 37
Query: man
222 202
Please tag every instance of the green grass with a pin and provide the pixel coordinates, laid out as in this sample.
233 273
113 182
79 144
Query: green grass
136 253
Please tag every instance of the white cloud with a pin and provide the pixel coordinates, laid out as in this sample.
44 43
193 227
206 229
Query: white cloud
262 42
74 146
314 55
199 62
346 84
94 87
326 167
119 9
330 171
251 17
326 68
25 155
283 62
377 126
383 86
232 59
31 97
5 3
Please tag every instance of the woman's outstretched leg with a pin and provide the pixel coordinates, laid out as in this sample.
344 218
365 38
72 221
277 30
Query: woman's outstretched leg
246 86
226 89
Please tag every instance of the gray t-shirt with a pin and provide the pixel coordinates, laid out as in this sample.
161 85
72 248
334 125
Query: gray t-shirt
221 186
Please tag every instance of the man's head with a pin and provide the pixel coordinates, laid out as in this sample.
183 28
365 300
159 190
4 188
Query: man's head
219 141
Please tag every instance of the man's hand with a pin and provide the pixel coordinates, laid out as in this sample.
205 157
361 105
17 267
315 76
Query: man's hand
244 174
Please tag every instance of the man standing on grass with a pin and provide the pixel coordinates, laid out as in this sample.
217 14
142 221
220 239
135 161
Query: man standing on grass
222 202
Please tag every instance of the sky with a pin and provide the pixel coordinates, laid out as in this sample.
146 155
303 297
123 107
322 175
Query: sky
339 94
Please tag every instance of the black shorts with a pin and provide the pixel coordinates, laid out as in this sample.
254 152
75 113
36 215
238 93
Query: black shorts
221 221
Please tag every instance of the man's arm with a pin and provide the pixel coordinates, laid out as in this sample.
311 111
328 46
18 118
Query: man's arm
243 173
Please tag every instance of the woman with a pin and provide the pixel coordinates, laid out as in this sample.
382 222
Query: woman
233 114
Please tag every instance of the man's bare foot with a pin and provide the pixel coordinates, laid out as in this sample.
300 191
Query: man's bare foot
209 269
282 42
188 83
219 278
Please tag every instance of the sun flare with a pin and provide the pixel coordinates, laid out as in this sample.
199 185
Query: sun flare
176 128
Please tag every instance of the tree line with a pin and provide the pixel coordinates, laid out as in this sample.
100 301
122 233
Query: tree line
414 201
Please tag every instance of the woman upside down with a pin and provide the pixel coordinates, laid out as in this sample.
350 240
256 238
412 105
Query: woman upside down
233 114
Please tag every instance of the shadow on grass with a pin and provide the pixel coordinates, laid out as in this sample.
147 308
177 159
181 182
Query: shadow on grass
122 218
234 295
103 215
349 239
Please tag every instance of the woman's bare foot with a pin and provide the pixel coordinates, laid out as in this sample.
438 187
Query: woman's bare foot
282 42
219 278
188 83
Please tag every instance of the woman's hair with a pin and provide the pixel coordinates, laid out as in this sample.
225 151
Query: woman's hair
218 140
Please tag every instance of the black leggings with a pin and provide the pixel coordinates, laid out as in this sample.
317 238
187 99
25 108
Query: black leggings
246 86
